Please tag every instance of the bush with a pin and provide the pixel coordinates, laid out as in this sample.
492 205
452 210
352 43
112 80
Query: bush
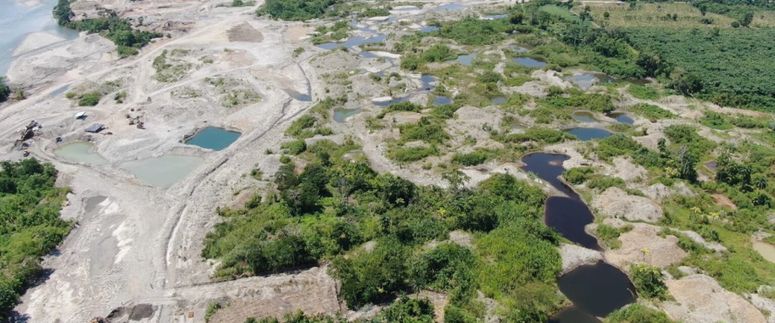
578 175
472 31
30 225
637 313
89 99
373 277
472 159
407 309
648 281
411 154
5 91
295 147
651 112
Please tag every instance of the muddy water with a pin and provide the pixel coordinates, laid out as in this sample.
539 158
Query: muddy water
162 171
80 152
595 290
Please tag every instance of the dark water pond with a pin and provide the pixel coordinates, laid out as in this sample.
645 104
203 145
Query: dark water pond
597 289
585 134
569 216
213 138
622 117
529 62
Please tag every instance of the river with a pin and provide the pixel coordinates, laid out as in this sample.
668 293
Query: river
18 20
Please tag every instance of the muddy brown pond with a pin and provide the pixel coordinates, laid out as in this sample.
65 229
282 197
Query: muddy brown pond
595 290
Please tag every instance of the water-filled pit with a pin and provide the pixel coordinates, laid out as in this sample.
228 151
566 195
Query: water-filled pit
585 134
162 171
80 152
213 138
529 62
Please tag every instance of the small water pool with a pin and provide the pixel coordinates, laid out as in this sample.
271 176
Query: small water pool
622 117
355 41
341 115
391 101
428 82
296 95
162 171
495 16
466 59
80 152
498 100
529 62
585 134
583 116
584 80
442 100
597 289
428 29
213 138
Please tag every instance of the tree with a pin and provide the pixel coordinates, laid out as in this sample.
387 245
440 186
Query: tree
651 63
686 165
5 91
685 82
747 19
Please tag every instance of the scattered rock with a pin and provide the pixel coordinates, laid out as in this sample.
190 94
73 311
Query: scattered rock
625 169
696 237
615 202
574 256
699 298
462 238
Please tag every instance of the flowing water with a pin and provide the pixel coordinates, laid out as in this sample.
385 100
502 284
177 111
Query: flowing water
17 21
213 138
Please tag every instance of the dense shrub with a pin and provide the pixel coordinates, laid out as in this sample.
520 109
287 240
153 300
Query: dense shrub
651 112
31 226
472 31
637 313
296 9
5 91
648 281
473 158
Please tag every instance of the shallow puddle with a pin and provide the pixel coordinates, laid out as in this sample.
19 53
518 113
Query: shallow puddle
585 134
622 117
529 62
583 116
341 115
466 59
162 171
80 152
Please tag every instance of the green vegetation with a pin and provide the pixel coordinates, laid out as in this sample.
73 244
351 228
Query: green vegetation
170 67
5 91
637 313
436 53
651 112
473 158
610 235
473 31
644 92
335 205
298 10
89 99
31 226
127 39
738 75
648 281
335 32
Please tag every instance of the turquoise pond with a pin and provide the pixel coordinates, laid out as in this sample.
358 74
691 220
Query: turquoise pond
213 138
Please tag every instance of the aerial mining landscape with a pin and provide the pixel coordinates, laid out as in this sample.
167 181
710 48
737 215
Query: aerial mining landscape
387 161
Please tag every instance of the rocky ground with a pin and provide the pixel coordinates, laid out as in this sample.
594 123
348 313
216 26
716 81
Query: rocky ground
136 248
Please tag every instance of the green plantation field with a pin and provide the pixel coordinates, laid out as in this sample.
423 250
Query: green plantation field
735 66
